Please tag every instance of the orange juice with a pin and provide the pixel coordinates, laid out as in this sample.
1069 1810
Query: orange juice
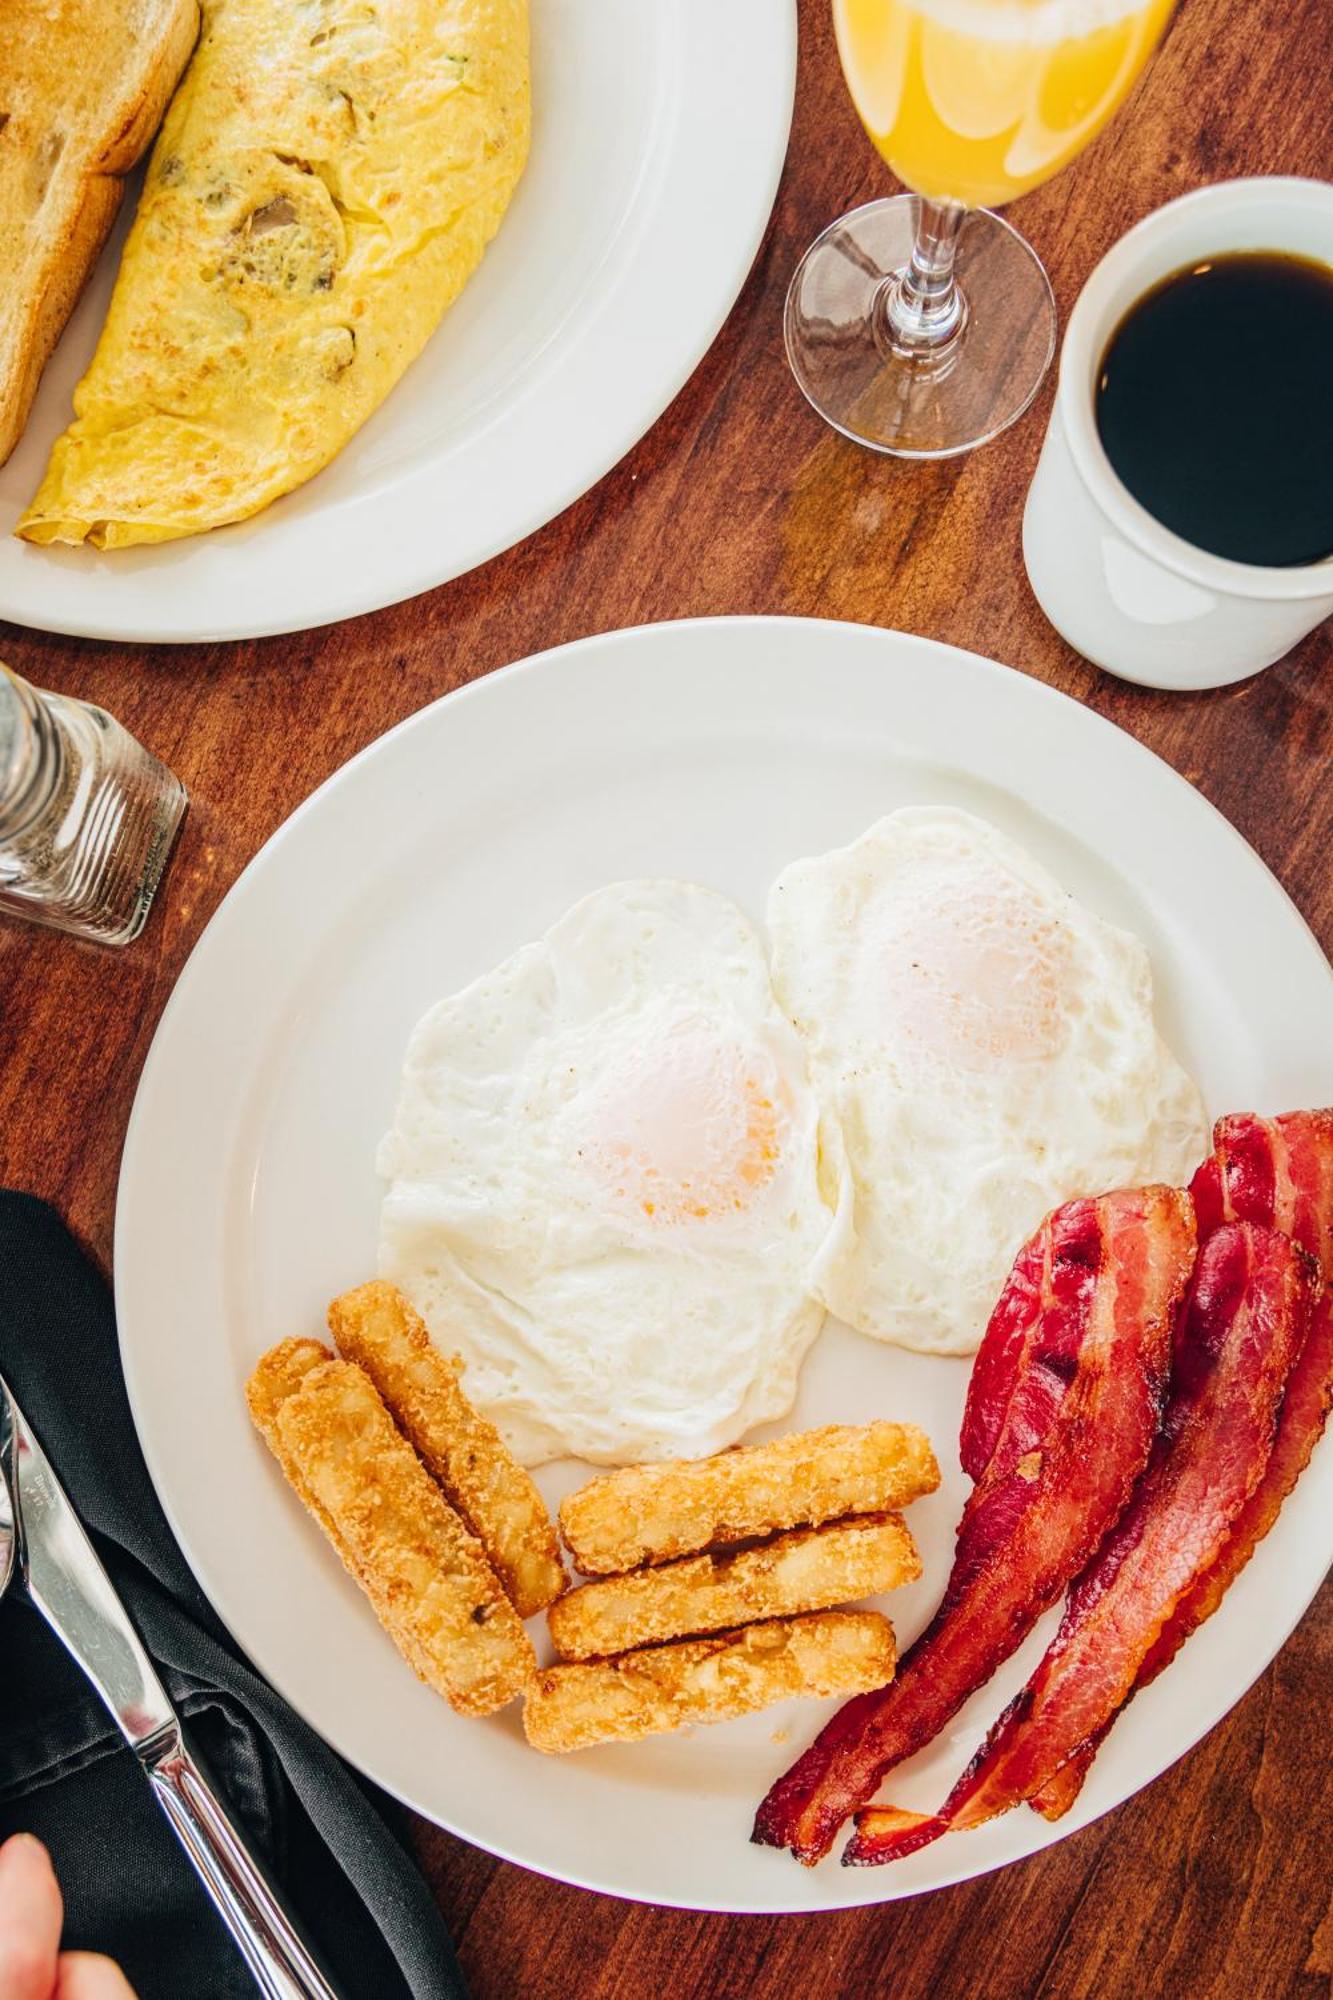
976 101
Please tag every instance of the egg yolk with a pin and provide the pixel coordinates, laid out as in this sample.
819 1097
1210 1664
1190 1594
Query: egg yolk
971 972
681 1131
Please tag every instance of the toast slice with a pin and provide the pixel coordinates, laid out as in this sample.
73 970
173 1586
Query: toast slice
83 86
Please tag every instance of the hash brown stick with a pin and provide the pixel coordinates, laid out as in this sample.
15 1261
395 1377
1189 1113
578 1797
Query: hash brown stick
707 1680
377 1328
649 1513
428 1579
276 1377
806 1569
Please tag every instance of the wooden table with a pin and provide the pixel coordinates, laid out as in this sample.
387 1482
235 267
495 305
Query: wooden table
1216 1881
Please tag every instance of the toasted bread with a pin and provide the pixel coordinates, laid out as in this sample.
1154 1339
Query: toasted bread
82 91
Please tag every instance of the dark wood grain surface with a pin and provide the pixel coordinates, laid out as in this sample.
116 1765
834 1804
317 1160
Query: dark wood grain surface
1216 1881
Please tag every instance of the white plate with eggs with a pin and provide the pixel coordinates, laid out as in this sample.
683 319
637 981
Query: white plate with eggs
714 753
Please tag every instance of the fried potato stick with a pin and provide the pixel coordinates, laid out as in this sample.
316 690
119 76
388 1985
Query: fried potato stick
807 1569
649 1513
377 1328
278 1375
707 1680
426 1576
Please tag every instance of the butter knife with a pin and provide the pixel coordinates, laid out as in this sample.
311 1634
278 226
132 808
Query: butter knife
64 1579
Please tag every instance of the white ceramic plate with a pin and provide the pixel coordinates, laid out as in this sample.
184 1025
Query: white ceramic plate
659 131
715 751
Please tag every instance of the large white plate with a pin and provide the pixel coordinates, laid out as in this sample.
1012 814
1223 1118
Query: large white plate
659 131
717 751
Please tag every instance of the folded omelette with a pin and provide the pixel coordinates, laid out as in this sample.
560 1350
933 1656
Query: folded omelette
324 184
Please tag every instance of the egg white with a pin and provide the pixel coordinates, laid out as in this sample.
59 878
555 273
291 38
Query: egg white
986 1046
608 1188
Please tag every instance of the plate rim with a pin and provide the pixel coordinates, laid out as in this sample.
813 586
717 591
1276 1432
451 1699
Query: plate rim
1213 1710
767 51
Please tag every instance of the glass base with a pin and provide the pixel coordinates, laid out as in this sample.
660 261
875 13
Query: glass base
88 819
841 348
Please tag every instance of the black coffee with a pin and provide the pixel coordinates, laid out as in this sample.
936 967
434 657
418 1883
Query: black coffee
1215 406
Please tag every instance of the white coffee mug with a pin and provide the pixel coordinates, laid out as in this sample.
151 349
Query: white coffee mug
1129 594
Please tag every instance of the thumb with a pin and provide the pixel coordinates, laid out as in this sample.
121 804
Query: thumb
85 1975
31 1913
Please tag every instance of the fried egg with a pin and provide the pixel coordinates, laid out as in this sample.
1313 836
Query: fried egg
608 1188
988 1049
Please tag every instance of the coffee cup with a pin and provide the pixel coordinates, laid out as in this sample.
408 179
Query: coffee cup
1126 591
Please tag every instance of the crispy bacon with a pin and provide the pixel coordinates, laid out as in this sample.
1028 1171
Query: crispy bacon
1039 1314
1278 1172
1009 1331
1247 1314
1078 1385
1042 1319
1304 1410
1274 1171
1053 1799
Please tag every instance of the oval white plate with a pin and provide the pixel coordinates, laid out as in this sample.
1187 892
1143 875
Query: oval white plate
716 751
659 132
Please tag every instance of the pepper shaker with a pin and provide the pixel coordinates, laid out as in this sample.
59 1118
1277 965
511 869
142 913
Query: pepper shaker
87 815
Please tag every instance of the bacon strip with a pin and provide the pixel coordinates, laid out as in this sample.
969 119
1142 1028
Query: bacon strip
1304 1411
1004 1345
1039 1317
1277 1172
1080 1411
1247 1315
1273 1171
1305 1408
1053 1799
1058 1271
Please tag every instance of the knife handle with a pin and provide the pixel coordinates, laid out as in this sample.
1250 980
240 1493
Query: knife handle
279 1962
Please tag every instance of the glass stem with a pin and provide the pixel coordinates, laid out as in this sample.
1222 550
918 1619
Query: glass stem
922 307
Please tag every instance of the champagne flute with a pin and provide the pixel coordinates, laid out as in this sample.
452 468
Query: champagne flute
923 325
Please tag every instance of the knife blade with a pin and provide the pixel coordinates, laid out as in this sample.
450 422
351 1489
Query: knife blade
63 1576
66 1582
7 1533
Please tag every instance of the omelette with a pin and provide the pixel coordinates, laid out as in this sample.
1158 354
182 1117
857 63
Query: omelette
325 182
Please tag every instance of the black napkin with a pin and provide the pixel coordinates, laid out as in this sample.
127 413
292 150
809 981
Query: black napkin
336 1845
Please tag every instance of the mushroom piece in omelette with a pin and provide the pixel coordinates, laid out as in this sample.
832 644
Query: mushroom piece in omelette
326 181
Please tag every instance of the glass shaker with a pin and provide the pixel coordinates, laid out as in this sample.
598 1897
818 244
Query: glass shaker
87 816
